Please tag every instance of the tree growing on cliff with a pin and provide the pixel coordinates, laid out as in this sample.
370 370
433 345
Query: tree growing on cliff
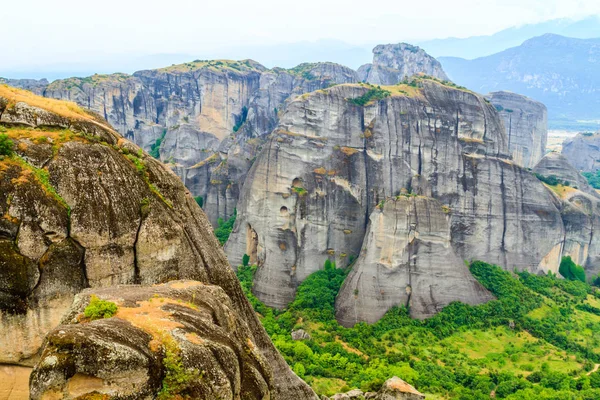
570 270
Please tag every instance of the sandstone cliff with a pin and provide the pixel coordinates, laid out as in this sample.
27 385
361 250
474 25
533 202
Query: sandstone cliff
408 259
198 116
583 151
580 210
393 63
338 152
526 124
83 207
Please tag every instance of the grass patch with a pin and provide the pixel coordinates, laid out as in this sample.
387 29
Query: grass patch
98 309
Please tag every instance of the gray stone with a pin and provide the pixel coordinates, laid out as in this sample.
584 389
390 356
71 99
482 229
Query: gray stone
526 124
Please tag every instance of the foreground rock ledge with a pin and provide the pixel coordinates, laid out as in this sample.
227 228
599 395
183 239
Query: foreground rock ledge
183 338
393 389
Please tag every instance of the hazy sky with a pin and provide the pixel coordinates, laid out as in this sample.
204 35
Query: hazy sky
36 32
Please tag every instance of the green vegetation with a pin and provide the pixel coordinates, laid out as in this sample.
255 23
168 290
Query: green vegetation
98 309
177 377
155 148
570 270
538 340
374 94
245 260
43 177
6 145
593 178
199 200
140 167
241 119
300 191
224 228
552 180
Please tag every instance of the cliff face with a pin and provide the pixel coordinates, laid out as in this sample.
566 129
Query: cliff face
392 63
83 207
197 325
583 151
310 193
579 204
197 116
408 256
526 123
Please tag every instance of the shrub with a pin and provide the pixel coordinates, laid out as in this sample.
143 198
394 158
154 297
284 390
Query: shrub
6 145
570 270
199 200
374 93
245 260
224 228
98 309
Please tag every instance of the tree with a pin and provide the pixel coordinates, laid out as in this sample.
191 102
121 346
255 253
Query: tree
245 260
6 145
570 270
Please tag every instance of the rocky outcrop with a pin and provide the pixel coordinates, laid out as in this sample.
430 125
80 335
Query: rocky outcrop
198 116
82 207
580 210
557 165
185 336
526 124
583 151
393 389
408 259
310 193
28 84
393 63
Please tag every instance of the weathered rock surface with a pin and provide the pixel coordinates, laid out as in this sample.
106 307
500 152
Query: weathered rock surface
526 124
310 193
132 353
583 151
27 84
393 389
407 259
556 164
580 211
392 63
82 207
196 116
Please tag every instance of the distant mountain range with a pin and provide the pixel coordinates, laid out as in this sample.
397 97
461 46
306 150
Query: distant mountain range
561 72
480 46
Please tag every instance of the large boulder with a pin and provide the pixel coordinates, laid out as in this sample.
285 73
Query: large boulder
526 124
310 193
184 338
406 259
83 207
579 205
583 151
392 63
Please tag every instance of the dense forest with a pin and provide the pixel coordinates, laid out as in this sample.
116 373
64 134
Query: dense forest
538 340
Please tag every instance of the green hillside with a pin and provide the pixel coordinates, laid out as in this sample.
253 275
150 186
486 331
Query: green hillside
539 340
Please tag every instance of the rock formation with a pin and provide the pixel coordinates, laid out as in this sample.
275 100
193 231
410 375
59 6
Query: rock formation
408 260
336 154
137 352
27 84
580 210
392 63
83 207
583 151
393 389
198 117
526 124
